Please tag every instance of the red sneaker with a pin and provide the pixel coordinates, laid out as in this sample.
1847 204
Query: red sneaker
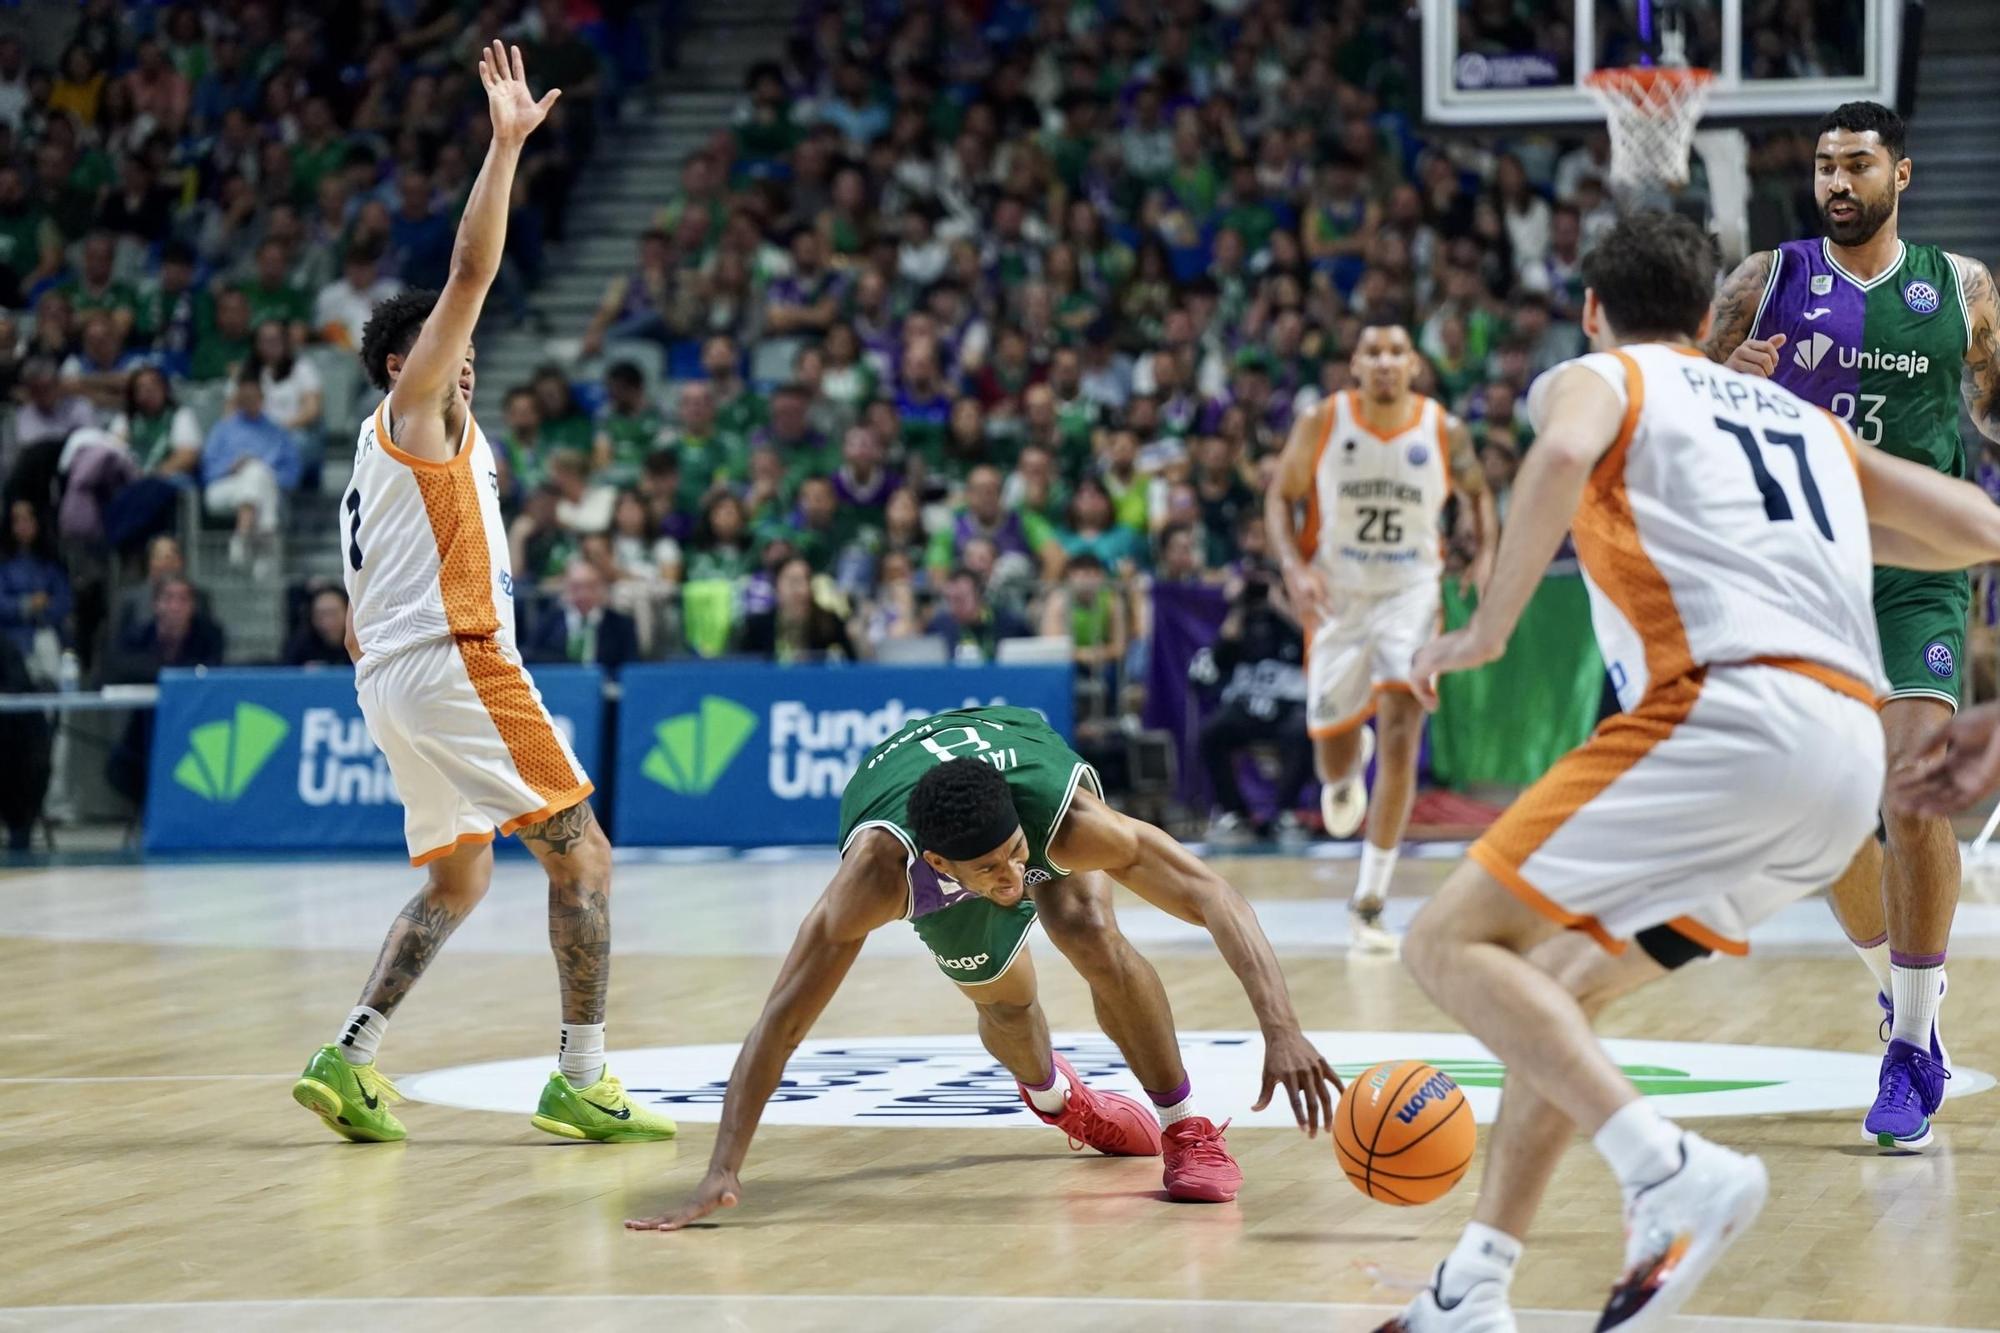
1110 1122
1199 1167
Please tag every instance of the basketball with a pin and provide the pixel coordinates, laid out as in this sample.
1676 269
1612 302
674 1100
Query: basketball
1403 1133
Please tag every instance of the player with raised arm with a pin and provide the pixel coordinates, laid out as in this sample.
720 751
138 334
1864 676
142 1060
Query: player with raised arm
1372 468
468 741
1727 532
974 825
1889 336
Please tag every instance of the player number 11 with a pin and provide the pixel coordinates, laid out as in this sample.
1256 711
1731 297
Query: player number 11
1777 505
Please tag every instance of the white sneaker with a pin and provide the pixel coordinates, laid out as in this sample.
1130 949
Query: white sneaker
1482 1309
1677 1230
1344 805
1365 932
1229 829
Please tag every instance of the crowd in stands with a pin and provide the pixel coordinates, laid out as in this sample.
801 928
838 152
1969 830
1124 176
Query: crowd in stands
984 319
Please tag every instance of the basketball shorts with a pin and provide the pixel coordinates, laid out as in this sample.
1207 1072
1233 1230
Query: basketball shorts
1364 649
469 743
1920 618
974 941
1718 800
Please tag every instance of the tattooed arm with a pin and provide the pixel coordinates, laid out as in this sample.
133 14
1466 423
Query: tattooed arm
1470 479
1734 314
574 851
1981 384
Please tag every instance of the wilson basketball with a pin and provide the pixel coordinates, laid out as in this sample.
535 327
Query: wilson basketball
1403 1133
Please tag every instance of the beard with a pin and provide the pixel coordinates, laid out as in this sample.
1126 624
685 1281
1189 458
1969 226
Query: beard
1869 215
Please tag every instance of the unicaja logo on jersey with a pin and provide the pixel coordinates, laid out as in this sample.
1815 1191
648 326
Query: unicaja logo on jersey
1921 297
694 750
223 757
1808 354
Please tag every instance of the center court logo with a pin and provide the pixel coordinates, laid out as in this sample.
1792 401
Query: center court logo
1811 352
223 757
693 751
950 1082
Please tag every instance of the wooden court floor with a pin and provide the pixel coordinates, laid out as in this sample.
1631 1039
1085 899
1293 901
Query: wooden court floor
155 1173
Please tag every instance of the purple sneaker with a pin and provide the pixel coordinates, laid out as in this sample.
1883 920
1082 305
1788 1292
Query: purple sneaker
1938 1052
1912 1087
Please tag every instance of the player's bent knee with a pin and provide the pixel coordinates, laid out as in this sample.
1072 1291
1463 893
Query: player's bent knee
1907 830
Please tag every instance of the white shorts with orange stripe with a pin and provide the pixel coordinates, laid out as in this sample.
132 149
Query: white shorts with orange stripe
469 742
1366 647
1719 799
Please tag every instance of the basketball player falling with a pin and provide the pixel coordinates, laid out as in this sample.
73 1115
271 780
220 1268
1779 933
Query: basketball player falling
1887 335
468 741
1373 468
972 826
1727 531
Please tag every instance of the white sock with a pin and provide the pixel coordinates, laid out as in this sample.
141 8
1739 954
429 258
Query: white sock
1876 956
1377 866
1642 1146
1174 1105
1916 997
361 1036
1050 1098
1484 1254
581 1053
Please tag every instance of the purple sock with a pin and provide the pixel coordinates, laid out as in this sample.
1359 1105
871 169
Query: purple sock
1173 1098
1046 1083
1897 958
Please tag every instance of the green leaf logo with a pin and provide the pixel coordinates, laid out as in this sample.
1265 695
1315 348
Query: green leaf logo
1651 1080
222 757
694 750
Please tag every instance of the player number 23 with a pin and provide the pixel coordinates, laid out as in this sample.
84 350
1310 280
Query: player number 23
1869 427
1777 505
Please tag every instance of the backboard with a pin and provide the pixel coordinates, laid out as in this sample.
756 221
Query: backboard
1505 62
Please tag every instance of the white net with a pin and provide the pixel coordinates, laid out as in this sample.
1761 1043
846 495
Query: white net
1651 113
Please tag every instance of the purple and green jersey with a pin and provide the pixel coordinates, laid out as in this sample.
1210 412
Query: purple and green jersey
1885 356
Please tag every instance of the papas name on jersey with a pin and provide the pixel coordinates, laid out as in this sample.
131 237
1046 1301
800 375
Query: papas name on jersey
1737 392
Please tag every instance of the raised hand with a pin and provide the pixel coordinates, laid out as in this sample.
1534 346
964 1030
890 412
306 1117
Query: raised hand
514 109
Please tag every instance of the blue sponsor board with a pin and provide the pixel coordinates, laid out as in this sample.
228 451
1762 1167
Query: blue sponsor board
275 758
747 755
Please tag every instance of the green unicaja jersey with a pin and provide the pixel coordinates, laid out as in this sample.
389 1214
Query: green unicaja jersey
1884 355
1042 773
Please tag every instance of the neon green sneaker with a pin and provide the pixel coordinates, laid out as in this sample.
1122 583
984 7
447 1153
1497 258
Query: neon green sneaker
601 1111
352 1099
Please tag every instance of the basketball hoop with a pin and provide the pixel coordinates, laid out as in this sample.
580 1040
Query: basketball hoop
1651 112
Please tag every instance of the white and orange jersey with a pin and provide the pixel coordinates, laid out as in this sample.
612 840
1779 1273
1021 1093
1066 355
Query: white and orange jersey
424 548
1725 525
1372 514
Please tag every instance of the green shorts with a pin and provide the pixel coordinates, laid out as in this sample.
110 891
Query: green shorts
1921 621
974 941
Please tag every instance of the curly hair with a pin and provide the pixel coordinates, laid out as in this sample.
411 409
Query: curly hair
956 798
391 330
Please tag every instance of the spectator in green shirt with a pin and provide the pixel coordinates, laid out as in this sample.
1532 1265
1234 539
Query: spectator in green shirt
1130 489
520 444
94 286
30 245
564 423
709 456
320 151
224 342
629 427
764 130
273 295
738 409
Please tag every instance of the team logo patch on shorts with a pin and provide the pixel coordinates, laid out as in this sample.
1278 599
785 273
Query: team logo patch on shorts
1920 296
1420 454
1938 658
1036 876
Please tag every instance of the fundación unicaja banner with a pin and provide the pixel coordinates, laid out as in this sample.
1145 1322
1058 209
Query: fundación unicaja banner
739 754
279 758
